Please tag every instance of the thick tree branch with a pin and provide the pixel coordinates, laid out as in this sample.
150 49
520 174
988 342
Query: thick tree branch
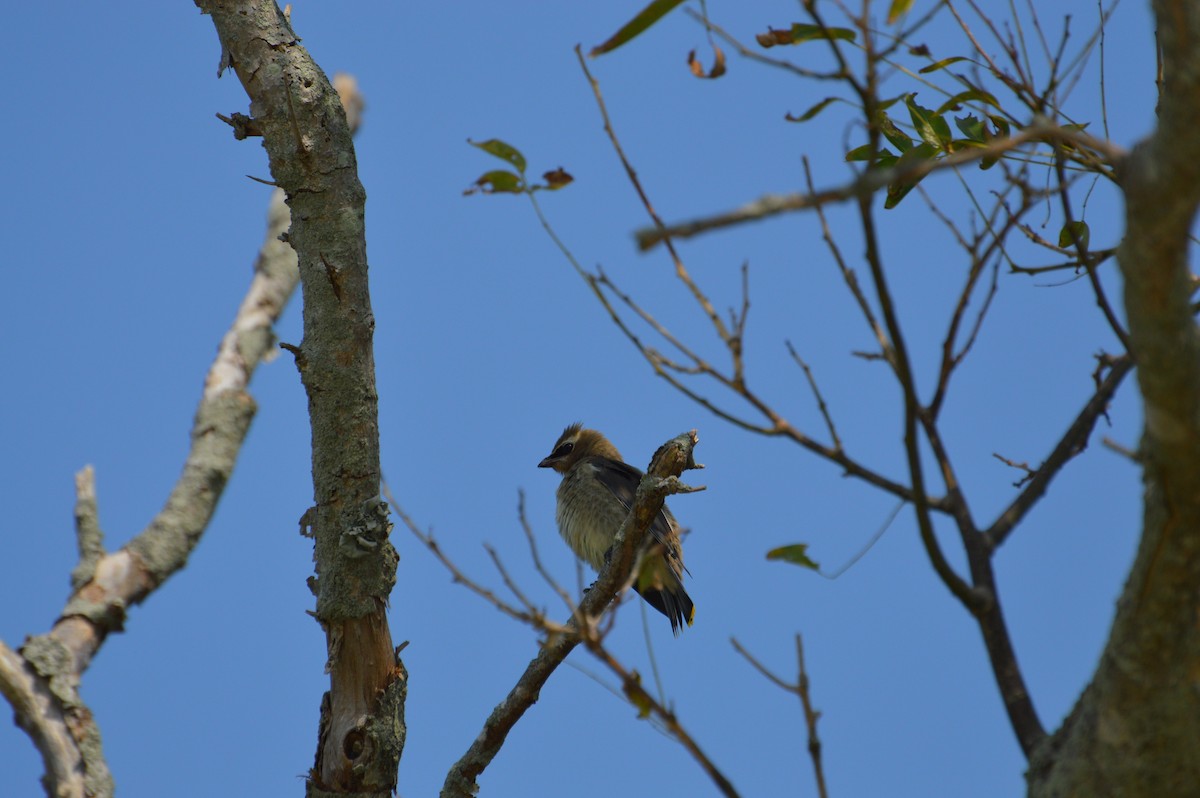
870 182
45 676
1136 729
661 480
41 715
312 159
987 608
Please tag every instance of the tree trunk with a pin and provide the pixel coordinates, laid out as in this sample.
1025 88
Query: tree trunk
1136 728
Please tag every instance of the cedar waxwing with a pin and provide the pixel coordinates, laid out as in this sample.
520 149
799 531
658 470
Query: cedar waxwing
595 496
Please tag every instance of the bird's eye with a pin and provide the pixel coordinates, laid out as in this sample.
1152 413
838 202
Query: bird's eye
564 450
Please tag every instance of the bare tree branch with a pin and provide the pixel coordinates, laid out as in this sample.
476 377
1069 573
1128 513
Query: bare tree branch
661 480
821 406
529 614
800 689
980 249
88 534
912 411
871 181
1081 246
41 714
979 591
680 271
537 558
105 585
668 369
848 275
1073 441
980 595
631 684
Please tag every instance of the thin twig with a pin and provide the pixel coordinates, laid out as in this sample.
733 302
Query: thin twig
1133 455
866 547
848 275
912 411
1073 441
811 716
680 271
88 534
509 582
658 683
952 353
1029 472
821 406
530 615
615 690
1081 246
536 556
631 682
800 689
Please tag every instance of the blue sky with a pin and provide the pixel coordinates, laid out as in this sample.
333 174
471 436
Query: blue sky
131 231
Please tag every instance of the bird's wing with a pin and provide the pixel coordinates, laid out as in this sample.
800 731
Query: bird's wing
622 480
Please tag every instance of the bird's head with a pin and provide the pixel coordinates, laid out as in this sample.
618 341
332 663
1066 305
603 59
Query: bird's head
576 443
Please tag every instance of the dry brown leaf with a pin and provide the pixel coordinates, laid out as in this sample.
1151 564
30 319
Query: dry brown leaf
718 67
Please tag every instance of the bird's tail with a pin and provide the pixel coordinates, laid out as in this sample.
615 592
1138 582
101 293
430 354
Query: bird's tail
663 590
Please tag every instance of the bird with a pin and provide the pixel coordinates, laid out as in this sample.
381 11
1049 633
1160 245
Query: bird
594 497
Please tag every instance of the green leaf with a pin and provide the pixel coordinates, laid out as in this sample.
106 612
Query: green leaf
899 8
863 153
972 95
652 13
811 112
958 145
922 152
886 104
1072 232
895 194
503 151
930 125
802 33
895 135
797 554
638 696
1002 129
1066 145
972 127
1001 124
899 189
945 62
497 182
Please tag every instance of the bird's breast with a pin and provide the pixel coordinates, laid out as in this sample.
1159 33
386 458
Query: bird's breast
588 514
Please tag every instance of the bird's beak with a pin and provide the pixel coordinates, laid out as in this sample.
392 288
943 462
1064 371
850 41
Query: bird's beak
548 462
